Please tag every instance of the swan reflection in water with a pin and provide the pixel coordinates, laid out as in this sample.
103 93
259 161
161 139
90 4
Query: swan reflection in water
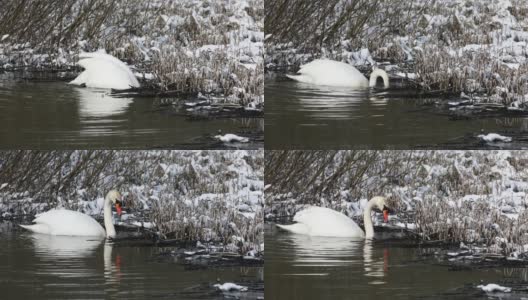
75 256
112 269
94 103
60 246
322 252
321 102
375 267
312 253
65 256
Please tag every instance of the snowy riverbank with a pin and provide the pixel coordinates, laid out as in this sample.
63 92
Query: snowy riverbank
208 196
469 47
475 197
198 46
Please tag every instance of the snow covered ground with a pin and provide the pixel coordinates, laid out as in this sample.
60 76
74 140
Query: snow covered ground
208 196
475 47
198 46
475 197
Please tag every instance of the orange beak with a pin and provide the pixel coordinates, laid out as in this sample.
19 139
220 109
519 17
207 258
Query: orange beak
386 215
118 207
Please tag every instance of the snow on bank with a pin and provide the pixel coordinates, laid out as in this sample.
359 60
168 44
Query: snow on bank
492 287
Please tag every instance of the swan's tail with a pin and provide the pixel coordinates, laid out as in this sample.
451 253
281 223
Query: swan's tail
300 78
379 73
37 228
295 228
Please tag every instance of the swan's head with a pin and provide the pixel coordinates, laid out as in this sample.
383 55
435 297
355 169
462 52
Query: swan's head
115 198
381 203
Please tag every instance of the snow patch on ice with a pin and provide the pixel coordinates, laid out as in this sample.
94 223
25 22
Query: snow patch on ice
494 137
229 287
231 138
492 287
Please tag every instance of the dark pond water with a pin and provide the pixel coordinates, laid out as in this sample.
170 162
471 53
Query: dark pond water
55 115
34 266
303 267
302 116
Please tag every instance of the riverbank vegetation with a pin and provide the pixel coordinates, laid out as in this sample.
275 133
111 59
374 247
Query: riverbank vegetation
472 48
474 198
207 196
189 47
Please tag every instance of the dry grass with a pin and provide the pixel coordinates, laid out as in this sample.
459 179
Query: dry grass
204 204
302 30
211 221
476 223
211 72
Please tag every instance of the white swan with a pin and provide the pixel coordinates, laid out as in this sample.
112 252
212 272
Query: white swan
335 73
74 223
321 221
102 70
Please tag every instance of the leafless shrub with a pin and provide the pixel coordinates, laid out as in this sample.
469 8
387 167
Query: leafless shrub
48 25
312 175
48 173
331 27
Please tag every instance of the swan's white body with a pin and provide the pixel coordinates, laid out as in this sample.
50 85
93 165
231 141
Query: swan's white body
102 70
335 73
66 222
74 223
321 221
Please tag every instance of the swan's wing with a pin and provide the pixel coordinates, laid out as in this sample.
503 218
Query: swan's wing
68 222
322 221
105 71
37 228
301 78
314 66
333 73
313 213
298 228
102 56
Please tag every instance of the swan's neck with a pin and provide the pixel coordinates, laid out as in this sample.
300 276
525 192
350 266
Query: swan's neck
109 224
367 220
379 73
